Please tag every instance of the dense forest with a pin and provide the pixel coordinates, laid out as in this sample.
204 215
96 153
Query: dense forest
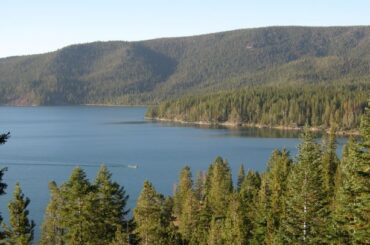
272 106
314 198
147 72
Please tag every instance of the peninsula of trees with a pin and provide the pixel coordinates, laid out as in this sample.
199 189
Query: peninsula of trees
314 198
147 72
318 106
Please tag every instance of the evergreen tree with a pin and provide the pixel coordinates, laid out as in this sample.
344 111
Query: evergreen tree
2 184
338 172
170 234
78 212
235 229
111 202
52 231
352 215
215 231
219 187
345 205
199 186
249 194
149 217
270 202
250 186
203 216
207 183
241 176
306 216
2 192
363 226
21 228
81 213
3 139
330 161
184 186
186 221
262 223
120 237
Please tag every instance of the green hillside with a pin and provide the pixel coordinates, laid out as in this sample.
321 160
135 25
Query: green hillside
147 72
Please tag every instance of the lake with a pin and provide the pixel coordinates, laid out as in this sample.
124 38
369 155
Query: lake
47 142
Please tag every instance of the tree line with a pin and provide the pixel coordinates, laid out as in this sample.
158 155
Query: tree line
272 106
314 198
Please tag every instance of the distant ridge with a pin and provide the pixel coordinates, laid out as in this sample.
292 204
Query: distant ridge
146 72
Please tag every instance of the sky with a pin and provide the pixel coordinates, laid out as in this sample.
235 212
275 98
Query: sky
38 26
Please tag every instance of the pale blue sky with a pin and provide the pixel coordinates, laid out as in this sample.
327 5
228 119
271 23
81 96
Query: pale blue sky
35 26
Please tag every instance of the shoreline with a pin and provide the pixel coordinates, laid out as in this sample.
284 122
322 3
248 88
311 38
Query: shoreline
248 125
114 105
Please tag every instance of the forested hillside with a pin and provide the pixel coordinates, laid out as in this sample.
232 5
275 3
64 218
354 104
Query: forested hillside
147 72
313 198
319 106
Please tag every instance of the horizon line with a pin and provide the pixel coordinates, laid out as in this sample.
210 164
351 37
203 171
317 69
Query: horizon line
180 36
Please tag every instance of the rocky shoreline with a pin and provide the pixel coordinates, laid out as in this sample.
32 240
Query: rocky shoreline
246 125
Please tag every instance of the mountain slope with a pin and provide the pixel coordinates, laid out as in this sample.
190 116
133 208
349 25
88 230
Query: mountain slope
150 71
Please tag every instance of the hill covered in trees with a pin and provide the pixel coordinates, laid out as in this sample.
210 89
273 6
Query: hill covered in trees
314 198
146 72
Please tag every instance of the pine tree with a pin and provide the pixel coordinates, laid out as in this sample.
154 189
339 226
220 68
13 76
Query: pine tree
2 192
120 237
352 215
219 187
363 226
3 139
241 176
52 231
200 211
249 194
78 212
344 205
2 184
235 229
203 216
148 216
262 221
188 218
184 186
111 202
207 183
330 161
199 186
306 216
21 228
270 204
250 186
215 231
170 234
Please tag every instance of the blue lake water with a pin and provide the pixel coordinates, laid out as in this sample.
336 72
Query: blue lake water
47 142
